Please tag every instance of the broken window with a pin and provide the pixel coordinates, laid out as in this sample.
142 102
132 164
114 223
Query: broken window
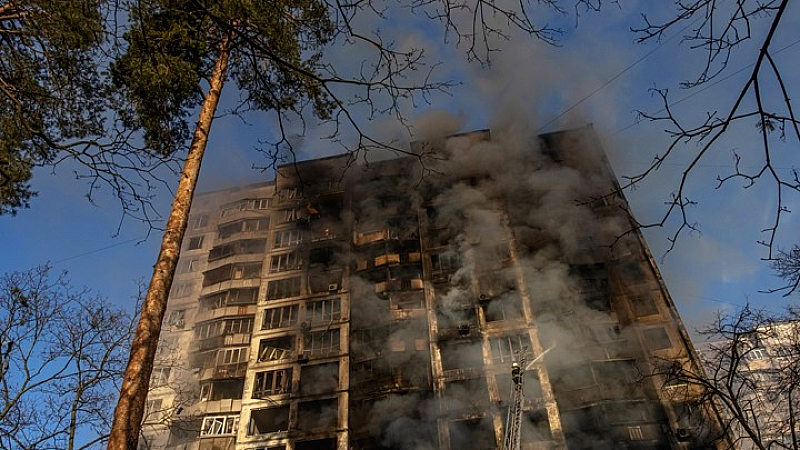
222 390
444 262
504 308
284 262
195 243
322 256
508 349
324 281
219 425
231 297
272 382
240 247
276 349
284 288
323 311
291 215
535 426
656 338
288 238
461 354
317 444
317 414
321 344
475 434
466 396
282 317
604 332
319 379
269 420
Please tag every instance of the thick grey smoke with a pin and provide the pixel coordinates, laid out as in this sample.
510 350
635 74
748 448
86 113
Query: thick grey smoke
481 193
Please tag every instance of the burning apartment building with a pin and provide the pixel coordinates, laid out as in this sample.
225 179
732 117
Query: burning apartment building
382 306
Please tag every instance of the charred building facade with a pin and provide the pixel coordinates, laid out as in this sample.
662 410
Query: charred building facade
381 307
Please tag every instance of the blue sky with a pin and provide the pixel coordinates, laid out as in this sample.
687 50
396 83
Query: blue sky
717 268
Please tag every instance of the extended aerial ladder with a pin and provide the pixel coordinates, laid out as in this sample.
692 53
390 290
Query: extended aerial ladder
511 440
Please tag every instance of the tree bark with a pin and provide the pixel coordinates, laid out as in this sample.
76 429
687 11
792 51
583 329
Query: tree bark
129 412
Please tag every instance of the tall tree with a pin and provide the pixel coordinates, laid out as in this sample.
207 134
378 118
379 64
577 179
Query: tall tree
56 106
62 351
48 86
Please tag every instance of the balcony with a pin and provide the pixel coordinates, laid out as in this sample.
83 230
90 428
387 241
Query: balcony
228 311
220 341
223 371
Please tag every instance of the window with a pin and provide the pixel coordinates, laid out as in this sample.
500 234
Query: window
230 297
644 305
197 222
290 215
269 420
275 349
322 256
635 433
604 332
319 378
504 308
180 290
195 243
232 272
229 229
240 247
160 377
272 382
189 265
284 262
238 326
508 349
287 238
756 354
321 343
176 318
323 311
219 425
244 205
656 338
284 288
230 326
153 410
317 414
232 355
445 262
280 317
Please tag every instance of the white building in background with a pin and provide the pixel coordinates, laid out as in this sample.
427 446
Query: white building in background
763 369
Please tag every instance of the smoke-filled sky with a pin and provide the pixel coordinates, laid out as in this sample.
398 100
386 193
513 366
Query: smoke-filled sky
529 84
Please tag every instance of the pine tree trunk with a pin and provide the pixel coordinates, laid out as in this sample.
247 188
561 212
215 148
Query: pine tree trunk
129 412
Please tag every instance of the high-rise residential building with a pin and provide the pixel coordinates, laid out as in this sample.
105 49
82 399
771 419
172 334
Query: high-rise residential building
381 306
